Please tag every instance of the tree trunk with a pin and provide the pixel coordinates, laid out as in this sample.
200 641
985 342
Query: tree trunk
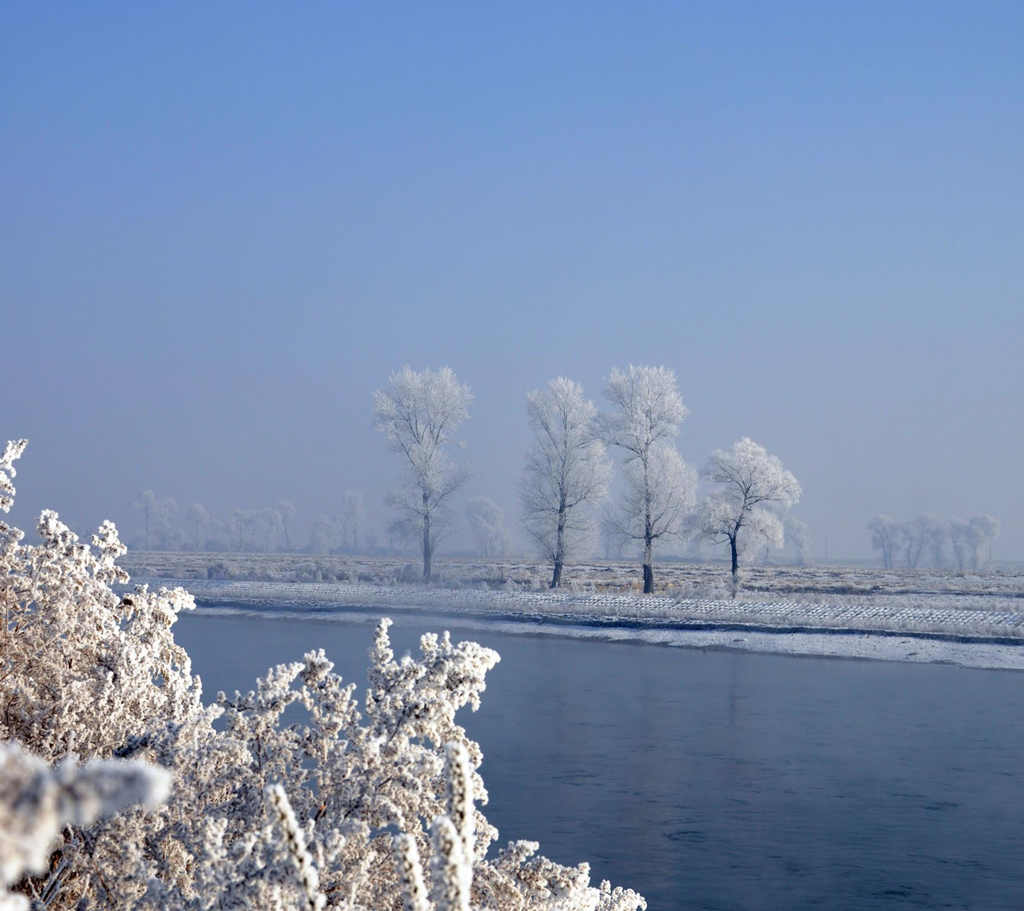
427 554
735 564
556 577
648 567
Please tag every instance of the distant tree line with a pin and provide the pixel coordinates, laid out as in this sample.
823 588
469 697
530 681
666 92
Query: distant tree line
611 480
263 529
931 541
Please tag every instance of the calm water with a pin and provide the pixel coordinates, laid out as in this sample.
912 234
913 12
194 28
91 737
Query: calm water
714 780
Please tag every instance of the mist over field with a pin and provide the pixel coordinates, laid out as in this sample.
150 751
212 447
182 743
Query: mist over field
225 228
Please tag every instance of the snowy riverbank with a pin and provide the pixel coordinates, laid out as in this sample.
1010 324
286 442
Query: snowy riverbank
929 630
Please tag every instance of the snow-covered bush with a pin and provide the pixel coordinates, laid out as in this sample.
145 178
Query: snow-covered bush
258 805
37 801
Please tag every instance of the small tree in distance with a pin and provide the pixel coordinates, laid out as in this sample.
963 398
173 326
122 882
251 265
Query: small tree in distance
198 517
158 515
885 537
971 540
419 411
286 510
566 471
799 536
755 487
647 410
353 516
487 523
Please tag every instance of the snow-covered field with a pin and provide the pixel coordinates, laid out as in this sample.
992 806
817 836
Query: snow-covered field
692 580
975 620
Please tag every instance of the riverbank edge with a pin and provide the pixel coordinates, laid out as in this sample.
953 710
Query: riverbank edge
784 627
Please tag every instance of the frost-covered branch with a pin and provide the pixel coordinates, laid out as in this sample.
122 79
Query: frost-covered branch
37 802
297 850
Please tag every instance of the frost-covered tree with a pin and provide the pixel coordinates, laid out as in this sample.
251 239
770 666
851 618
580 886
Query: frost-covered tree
486 520
754 488
566 473
646 411
259 530
158 521
613 543
265 812
984 530
936 532
922 539
799 535
218 533
242 521
927 539
886 535
972 540
353 517
198 518
419 411
270 528
286 510
658 496
326 535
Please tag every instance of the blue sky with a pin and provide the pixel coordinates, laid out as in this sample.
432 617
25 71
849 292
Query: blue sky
225 224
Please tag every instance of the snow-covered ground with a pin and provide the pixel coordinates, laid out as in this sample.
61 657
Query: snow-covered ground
928 616
685 580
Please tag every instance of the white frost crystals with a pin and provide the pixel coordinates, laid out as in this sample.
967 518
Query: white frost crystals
12 452
263 813
37 801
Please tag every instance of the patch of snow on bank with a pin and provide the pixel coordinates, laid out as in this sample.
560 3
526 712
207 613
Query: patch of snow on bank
879 631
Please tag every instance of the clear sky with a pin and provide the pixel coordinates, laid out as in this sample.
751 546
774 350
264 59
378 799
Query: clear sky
224 224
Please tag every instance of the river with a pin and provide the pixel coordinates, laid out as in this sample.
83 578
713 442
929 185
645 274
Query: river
715 779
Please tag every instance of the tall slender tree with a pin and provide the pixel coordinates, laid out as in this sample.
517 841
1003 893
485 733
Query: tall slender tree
419 411
644 420
566 472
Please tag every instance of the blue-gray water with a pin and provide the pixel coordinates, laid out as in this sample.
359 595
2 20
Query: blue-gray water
718 780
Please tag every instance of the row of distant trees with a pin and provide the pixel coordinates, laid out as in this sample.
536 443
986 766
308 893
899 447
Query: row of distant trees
568 470
264 529
270 529
932 541
564 489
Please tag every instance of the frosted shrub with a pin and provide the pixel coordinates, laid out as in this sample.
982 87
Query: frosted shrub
37 801
263 813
